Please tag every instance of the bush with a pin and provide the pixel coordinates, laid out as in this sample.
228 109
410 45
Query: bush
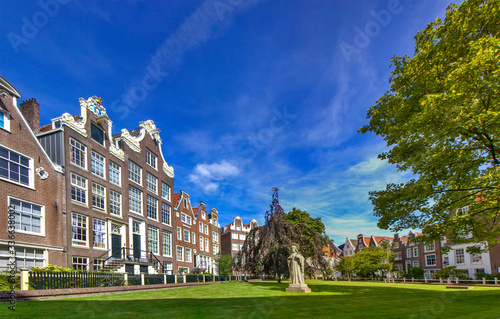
451 272
5 282
414 272
53 268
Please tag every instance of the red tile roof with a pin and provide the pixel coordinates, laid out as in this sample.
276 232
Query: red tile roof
367 241
176 198
378 239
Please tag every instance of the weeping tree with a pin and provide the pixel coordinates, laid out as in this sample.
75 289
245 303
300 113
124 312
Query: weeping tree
267 247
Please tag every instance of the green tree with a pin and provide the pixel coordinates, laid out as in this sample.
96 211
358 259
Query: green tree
267 247
451 272
414 272
298 216
441 122
226 265
369 261
346 266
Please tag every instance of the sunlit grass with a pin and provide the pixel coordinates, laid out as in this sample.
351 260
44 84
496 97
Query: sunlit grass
268 299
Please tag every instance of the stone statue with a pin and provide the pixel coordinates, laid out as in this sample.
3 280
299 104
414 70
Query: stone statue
296 269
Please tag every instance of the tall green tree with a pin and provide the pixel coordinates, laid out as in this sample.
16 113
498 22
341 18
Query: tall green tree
346 266
267 247
441 121
369 261
297 216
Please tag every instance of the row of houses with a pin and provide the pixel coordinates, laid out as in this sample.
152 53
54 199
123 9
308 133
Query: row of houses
83 197
409 252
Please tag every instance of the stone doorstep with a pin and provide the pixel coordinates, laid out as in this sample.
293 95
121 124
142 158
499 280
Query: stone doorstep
48 293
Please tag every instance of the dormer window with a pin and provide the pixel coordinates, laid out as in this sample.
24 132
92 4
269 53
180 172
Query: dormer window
56 124
186 203
97 134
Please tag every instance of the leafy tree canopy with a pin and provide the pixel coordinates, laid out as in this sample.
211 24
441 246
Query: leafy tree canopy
298 216
441 120
370 260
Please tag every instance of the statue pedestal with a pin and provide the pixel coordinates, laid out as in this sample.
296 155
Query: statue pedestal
298 288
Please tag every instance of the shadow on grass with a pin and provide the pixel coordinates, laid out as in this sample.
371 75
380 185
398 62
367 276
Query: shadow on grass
328 300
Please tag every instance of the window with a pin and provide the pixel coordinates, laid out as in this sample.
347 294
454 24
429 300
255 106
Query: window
135 200
215 249
234 236
78 153
97 134
152 207
206 229
185 219
186 203
201 227
476 258
134 172
97 164
151 159
115 173
136 227
238 227
4 120
459 256
79 229
168 267
25 258
179 233
98 196
188 255
152 239
215 237
165 191
408 253
206 245
180 253
78 189
15 167
415 263
463 211
167 243
165 213
151 183
203 215
97 264
242 236
201 243
99 233
429 247
415 251
28 217
186 236
194 237
115 203
430 260
235 247
396 245
80 263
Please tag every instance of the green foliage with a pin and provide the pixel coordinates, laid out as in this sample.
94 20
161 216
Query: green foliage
414 272
5 282
441 122
369 261
451 272
481 275
346 266
183 271
297 216
226 265
54 268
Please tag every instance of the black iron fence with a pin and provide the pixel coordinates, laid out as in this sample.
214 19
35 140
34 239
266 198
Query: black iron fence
59 280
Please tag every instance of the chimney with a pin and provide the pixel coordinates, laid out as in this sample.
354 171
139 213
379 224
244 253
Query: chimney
31 112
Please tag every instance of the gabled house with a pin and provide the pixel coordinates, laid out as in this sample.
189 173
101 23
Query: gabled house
362 241
349 248
203 260
186 232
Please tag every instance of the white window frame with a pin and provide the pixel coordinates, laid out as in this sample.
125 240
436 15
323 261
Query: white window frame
82 263
98 164
415 264
166 210
415 252
80 150
135 201
99 232
242 237
408 252
206 229
35 257
166 191
207 245
77 224
479 260
427 257
179 233
215 237
153 240
21 164
234 247
462 255
151 159
6 120
79 183
134 173
193 238
151 183
186 219
179 249
188 258
234 236
186 236
166 243
23 211
152 207
200 228
429 247
115 203
115 172
98 193
201 243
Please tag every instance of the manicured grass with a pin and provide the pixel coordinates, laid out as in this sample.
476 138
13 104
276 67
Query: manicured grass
329 299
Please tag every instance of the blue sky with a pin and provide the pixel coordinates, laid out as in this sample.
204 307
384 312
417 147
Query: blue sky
248 94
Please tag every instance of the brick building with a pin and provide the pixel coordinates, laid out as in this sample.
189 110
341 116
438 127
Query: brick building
186 232
118 191
233 235
31 188
214 230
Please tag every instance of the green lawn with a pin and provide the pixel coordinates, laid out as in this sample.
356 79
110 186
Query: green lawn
329 299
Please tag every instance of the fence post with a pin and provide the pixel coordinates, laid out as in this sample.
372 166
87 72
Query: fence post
440 280
412 279
142 279
184 278
175 277
456 280
164 279
425 280
484 280
25 280
125 279
203 277
496 281
449 280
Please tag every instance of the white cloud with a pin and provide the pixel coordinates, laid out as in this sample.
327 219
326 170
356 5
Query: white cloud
209 176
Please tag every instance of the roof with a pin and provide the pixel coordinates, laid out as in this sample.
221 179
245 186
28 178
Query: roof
176 198
353 242
341 247
4 84
378 239
48 127
366 240
404 239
